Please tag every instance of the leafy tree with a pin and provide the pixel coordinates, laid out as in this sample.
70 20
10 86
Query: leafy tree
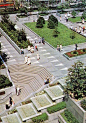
76 81
54 19
51 24
83 15
40 22
23 10
5 18
73 14
22 35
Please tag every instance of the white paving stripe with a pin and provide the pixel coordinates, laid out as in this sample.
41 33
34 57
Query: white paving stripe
4 46
51 57
33 58
40 47
46 54
8 52
55 60
35 62
64 68
11 60
40 65
4 50
11 56
42 50
59 64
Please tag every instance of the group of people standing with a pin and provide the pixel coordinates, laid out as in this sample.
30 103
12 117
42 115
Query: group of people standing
59 47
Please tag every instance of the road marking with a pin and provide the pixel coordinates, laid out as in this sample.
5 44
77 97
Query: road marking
4 50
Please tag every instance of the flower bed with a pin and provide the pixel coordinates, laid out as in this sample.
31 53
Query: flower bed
76 53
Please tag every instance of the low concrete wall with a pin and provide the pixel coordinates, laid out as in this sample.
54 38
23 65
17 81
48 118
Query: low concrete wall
61 120
10 41
78 112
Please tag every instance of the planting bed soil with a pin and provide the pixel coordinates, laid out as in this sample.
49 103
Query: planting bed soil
76 53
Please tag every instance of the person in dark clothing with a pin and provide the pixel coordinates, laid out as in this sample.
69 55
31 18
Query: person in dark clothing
76 46
10 100
43 40
7 106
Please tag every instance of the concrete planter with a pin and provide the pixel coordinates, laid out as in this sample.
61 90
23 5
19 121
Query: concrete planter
55 115
60 119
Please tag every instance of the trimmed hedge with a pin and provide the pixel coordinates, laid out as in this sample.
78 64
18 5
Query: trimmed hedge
40 118
68 117
56 107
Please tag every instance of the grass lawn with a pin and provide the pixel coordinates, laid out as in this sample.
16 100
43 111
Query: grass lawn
63 38
76 19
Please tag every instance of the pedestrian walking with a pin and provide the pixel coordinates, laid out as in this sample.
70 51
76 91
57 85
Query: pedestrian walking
25 60
43 40
60 47
38 56
28 61
10 100
18 90
83 28
36 48
76 46
60 18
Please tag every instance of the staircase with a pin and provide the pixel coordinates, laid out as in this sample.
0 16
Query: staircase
29 78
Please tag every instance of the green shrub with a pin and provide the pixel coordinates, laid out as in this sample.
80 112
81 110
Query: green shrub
51 24
69 117
4 82
40 22
54 19
56 107
83 104
40 118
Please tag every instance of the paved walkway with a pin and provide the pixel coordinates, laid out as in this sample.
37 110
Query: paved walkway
50 58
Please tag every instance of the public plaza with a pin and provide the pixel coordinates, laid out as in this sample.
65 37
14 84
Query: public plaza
30 78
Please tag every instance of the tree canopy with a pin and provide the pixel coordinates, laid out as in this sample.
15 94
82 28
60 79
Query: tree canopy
76 81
